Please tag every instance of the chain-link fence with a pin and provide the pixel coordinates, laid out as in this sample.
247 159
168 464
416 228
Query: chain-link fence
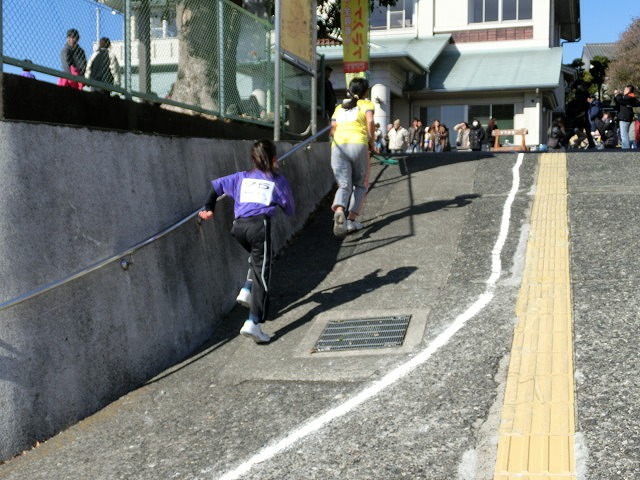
210 56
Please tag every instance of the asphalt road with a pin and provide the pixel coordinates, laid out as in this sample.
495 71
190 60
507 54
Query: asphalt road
427 409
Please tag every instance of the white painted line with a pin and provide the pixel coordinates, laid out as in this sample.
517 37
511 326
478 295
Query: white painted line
399 372
496 262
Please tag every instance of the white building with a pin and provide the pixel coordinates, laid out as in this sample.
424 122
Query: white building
163 42
159 44
455 60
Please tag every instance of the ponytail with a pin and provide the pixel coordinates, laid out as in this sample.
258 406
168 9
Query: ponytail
357 90
262 154
351 101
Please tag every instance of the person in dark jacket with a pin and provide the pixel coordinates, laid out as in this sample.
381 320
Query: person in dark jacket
607 128
330 99
595 110
577 114
416 136
476 135
625 102
557 134
491 126
73 60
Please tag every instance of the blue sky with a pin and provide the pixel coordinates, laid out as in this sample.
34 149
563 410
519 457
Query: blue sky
602 21
45 24
36 29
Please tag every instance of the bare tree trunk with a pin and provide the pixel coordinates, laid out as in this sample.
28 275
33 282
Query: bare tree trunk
201 71
197 80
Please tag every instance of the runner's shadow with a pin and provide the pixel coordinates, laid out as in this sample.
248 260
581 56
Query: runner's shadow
339 295
426 161
307 260
415 210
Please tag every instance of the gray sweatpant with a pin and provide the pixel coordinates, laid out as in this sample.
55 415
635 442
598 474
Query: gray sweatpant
350 164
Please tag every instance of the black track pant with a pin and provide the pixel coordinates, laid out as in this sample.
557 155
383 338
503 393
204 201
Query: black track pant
254 234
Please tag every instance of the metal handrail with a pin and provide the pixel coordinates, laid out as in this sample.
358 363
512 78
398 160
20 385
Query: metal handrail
121 256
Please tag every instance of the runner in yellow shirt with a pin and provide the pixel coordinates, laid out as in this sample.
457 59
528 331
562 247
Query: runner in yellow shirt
353 134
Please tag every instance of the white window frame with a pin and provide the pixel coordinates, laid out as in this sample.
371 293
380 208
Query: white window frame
500 12
395 13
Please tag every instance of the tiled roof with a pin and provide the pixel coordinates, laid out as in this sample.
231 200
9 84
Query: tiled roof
591 50
328 42
496 70
423 52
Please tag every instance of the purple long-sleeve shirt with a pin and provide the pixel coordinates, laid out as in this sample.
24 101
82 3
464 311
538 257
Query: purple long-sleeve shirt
254 193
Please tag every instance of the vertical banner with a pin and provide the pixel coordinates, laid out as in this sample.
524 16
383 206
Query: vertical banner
297 37
355 38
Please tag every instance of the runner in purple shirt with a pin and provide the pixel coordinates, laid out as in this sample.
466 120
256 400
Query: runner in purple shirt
256 194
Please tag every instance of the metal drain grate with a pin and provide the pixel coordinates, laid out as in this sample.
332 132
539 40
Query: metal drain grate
378 332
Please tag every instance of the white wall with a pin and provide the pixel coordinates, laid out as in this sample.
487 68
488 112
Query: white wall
450 15
425 22
453 15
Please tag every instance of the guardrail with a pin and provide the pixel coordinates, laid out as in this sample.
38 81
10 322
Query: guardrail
124 262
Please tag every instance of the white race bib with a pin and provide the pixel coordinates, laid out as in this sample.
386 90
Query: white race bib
255 190
347 115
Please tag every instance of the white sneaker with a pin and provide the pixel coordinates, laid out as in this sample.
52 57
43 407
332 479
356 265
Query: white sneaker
244 297
354 226
339 224
253 330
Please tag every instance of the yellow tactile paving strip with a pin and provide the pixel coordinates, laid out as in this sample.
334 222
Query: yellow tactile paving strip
537 423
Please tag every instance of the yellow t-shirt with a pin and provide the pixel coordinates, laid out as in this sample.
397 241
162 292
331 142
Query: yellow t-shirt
352 124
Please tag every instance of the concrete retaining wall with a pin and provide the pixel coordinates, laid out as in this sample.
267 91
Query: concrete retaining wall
72 196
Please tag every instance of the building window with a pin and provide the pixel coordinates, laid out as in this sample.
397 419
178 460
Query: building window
398 16
450 115
481 11
503 113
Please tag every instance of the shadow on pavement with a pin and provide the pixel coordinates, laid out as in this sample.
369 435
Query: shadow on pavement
335 296
419 162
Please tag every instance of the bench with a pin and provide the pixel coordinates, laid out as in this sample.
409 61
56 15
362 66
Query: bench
518 131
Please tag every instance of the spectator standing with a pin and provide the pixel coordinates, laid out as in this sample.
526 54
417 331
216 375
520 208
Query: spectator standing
398 138
256 193
433 137
73 60
476 135
636 123
414 136
595 110
386 138
625 102
426 144
330 99
379 138
443 132
491 126
353 133
578 113
421 135
462 139
103 66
